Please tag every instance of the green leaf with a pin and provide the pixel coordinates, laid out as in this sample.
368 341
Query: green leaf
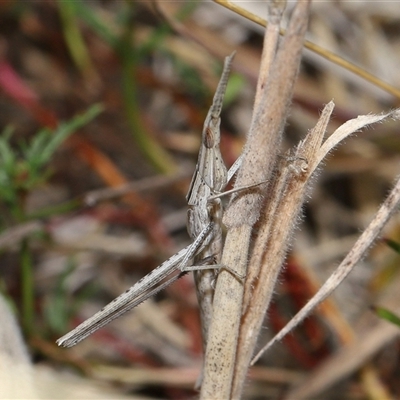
22 169
386 314
45 144
393 245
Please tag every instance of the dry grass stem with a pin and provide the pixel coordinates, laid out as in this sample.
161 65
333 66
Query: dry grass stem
284 204
271 40
260 154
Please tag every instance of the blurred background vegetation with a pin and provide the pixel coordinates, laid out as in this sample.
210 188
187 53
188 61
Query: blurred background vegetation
101 95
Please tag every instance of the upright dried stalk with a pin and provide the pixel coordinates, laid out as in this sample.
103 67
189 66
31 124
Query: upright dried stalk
274 90
271 244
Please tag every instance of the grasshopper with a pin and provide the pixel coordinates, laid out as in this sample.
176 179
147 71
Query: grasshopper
204 224
210 177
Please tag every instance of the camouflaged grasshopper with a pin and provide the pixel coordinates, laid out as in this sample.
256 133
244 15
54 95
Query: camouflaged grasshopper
204 227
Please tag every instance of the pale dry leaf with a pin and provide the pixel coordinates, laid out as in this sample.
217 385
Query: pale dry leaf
349 128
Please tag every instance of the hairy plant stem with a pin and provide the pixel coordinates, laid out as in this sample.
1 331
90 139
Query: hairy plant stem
279 68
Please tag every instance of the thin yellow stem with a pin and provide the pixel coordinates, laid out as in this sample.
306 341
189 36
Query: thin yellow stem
334 58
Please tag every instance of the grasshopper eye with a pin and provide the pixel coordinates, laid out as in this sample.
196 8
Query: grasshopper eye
209 138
